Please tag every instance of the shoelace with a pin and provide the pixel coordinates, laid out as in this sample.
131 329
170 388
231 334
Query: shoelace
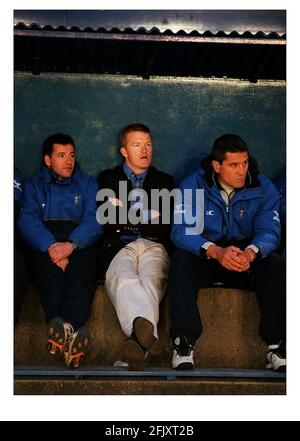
182 346
69 330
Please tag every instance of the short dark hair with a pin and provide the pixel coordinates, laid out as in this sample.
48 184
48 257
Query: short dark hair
135 127
228 143
57 138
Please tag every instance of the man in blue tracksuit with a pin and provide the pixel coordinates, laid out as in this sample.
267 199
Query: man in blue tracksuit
58 222
240 232
21 277
280 184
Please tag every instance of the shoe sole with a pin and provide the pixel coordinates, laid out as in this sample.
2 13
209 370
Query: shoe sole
55 333
134 355
144 333
280 369
185 367
78 350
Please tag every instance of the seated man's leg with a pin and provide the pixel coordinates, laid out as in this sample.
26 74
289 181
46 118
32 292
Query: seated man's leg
153 268
135 283
80 287
187 275
124 287
269 283
49 279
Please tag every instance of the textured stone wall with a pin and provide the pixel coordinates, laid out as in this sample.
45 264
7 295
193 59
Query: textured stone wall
229 340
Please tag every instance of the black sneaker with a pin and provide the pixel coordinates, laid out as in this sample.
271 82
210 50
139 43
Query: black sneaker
276 357
183 354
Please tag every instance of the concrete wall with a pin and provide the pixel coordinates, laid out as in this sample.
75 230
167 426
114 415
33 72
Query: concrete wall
185 116
229 340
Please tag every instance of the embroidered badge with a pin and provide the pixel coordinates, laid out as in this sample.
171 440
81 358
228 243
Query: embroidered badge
276 217
76 199
18 185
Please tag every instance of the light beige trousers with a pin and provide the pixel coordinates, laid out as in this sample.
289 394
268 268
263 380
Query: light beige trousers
136 282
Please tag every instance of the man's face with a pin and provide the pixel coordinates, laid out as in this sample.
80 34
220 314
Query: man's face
137 151
62 160
233 169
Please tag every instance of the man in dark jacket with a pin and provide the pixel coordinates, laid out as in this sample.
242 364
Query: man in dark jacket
241 229
133 254
58 222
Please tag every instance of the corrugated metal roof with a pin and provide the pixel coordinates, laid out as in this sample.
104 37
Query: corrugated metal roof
236 44
236 23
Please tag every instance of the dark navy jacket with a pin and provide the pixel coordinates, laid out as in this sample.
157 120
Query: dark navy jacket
48 203
280 184
111 242
251 217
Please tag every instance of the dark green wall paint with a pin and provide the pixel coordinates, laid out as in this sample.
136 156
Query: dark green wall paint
185 116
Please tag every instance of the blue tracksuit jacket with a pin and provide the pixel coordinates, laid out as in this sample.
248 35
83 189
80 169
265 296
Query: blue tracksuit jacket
251 216
47 199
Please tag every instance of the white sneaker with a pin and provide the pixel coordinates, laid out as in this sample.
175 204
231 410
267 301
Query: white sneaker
183 354
276 357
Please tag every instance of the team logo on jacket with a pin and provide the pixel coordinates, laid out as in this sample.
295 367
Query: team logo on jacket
210 212
76 199
276 217
17 185
242 213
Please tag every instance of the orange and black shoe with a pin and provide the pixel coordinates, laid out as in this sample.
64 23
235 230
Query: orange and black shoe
59 333
77 348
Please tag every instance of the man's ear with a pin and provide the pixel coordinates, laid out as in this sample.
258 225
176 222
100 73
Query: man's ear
123 151
216 165
47 160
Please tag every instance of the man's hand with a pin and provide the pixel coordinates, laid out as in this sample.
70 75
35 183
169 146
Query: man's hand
231 258
247 255
63 263
59 251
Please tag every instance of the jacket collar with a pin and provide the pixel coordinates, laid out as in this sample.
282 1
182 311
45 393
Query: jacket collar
149 179
129 173
49 176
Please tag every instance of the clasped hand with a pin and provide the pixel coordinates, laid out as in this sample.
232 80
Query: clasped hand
233 258
59 253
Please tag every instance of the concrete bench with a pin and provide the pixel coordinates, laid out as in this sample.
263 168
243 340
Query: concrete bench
229 340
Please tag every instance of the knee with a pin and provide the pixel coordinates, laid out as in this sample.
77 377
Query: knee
154 284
